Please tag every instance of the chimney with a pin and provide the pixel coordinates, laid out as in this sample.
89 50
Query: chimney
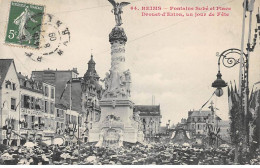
75 70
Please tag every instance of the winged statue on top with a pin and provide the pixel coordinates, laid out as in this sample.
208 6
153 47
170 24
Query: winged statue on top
118 10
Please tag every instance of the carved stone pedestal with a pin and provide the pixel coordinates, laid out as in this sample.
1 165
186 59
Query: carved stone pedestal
116 124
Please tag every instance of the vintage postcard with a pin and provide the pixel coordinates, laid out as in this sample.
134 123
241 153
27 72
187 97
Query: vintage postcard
129 82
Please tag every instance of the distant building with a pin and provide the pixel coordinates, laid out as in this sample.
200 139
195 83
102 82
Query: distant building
57 77
182 124
37 109
150 116
197 121
85 93
91 94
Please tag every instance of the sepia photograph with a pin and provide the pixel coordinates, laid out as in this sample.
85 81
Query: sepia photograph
129 82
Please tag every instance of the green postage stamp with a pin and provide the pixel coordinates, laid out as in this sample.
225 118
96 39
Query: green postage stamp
24 25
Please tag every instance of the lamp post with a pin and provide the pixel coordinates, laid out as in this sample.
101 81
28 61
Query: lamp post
229 62
244 64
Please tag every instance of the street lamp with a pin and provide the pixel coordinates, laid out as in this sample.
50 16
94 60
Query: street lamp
219 83
244 66
228 62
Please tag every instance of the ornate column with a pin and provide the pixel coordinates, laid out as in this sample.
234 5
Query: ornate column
117 81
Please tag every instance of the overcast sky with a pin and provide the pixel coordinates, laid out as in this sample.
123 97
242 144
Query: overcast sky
172 58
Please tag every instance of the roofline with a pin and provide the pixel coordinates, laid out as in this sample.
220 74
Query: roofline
9 68
15 68
57 71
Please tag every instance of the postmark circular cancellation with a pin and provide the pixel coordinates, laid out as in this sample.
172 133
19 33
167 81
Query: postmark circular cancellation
54 36
42 34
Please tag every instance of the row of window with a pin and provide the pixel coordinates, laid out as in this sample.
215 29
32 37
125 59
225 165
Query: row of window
199 126
32 122
37 104
198 119
11 85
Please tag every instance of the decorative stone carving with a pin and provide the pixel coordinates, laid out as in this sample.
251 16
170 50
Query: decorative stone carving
113 137
112 121
117 33
117 85
119 50
127 75
115 78
107 81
